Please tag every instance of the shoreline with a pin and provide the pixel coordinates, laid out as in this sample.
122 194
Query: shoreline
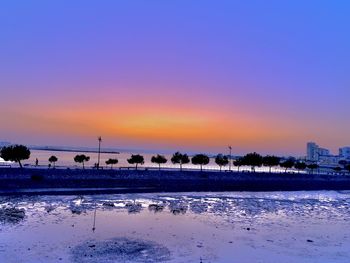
72 150
59 181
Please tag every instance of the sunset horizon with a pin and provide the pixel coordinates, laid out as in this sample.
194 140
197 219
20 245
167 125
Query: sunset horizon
192 131
143 78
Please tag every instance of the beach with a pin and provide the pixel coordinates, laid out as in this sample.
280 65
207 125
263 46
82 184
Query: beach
228 227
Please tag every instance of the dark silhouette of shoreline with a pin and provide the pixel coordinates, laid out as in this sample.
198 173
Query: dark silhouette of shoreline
72 150
71 181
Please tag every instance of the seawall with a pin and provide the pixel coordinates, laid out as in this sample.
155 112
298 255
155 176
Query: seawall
15 180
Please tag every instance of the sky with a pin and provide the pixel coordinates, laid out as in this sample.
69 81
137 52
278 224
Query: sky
263 76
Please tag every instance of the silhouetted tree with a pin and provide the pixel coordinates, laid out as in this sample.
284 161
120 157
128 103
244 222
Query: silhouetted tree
53 159
253 160
136 159
159 159
300 166
221 160
287 164
238 163
313 167
200 159
271 161
111 162
15 153
81 158
179 158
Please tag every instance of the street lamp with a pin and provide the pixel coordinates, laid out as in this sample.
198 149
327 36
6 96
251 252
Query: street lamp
99 151
230 148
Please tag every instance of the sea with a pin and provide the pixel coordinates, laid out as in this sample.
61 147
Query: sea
66 159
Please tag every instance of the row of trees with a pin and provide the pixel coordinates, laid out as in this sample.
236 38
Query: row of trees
252 159
256 160
18 153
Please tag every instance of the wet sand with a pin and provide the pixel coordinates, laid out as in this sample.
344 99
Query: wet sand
267 227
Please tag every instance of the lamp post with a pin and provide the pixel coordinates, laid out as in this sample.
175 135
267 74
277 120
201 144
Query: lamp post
230 148
99 151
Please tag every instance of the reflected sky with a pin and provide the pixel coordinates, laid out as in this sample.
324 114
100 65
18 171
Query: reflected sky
287 227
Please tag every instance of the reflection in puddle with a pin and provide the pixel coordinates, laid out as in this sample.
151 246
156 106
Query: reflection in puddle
212 227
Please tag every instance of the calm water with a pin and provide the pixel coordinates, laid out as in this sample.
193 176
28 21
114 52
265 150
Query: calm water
212 227
66 159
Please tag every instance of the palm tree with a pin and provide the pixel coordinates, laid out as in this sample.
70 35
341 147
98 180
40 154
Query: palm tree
221 160
15 153
111 162
179 158
82 158
271 161
287 164
136 159
252 159
159 159
53 159
200 159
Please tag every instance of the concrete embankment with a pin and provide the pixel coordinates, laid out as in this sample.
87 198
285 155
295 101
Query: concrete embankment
65 181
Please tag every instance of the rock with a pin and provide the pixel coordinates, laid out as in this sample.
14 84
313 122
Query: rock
156 207
178 208
49 209
134 208
11 215
108 204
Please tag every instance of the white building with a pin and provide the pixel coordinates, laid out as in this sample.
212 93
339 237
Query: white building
344 152
311 151
315 152
329 160
323 156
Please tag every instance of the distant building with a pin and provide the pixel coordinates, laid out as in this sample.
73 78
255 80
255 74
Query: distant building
315 152
344 152
329 160
323 157
311 151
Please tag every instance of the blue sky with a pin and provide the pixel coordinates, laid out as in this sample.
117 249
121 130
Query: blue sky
265 75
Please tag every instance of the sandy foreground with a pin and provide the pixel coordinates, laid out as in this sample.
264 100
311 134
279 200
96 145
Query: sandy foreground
187 227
